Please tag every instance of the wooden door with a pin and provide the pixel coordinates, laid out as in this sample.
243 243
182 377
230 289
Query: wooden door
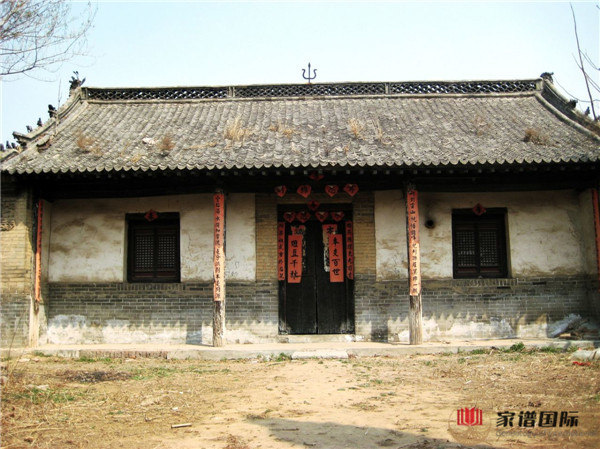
313 304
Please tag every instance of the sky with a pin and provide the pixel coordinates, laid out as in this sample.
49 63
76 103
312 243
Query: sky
197 43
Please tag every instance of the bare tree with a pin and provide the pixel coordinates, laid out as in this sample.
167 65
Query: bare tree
40 34
588 80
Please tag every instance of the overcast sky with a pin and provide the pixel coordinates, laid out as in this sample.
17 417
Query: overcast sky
222 43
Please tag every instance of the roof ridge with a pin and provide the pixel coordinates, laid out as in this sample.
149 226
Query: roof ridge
314 90
56 117
560 104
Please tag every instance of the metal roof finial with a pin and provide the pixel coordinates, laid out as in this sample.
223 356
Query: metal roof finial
309 78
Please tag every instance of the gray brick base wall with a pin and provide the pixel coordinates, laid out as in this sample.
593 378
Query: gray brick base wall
158 313
182 313
482 308
14 321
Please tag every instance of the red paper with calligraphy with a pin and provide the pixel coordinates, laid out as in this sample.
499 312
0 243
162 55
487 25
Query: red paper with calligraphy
336 258
295 258
414 256
349 250
219 247
281 251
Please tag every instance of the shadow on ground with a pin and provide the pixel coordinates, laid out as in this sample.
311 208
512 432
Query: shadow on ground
333 435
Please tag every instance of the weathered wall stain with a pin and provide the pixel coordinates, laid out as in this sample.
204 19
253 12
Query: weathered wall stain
88 237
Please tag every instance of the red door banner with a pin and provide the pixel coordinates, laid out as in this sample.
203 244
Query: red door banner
281 251
295 258
349 250
336 258
219 247
414 262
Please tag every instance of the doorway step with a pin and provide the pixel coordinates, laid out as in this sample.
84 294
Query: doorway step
321 338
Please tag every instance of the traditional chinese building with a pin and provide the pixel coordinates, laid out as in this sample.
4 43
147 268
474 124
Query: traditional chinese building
375 211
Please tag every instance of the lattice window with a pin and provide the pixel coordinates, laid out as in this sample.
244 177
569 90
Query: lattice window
479 244
153 252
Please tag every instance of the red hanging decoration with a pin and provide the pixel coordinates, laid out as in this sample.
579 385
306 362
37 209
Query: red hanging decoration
295 258
315 176
337 216
281 251
314 205
151 215
300 229
303 216
349 250
336 258
280 191
351 189
321 215
289 216
479 209
331 190
304 190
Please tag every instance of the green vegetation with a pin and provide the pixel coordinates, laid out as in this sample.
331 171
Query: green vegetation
37 395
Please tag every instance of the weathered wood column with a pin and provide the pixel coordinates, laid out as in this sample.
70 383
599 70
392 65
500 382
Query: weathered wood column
38 253
219 268
415 313
596 209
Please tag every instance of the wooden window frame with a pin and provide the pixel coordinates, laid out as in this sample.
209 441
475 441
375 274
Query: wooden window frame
466 220
165 223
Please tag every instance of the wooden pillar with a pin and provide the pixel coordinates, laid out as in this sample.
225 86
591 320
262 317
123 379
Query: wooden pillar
38 252
219 268
415 313
596 209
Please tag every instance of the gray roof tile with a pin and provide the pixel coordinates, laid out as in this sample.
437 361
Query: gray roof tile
365 130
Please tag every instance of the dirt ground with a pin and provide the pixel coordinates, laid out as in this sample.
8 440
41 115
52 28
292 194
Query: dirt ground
400 402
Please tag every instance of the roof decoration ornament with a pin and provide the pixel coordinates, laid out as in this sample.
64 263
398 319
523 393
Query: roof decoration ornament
75 81
309 78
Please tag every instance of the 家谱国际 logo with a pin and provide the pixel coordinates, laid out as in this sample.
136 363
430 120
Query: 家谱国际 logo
467 426
469 416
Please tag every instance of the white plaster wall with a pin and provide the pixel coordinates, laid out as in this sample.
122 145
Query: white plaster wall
196 238
549 233
544 231
88 237
587 231
390 235
87 240
240 238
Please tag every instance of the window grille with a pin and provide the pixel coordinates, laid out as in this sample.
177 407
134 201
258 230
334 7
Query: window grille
479 244
153 251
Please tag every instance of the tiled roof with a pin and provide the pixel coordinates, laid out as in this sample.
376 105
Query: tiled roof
358 124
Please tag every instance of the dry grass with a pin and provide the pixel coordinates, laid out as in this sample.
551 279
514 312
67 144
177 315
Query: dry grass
283 129
535 136
104 403
136 158
235 132
166 144
87 144
356 128
380 135
480 125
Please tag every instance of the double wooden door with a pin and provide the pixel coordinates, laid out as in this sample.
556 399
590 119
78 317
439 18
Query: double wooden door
311 301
